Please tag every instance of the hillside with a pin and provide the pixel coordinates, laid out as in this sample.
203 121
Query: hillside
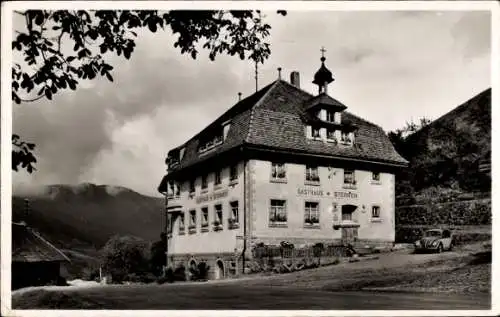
446 153
444 184
87 215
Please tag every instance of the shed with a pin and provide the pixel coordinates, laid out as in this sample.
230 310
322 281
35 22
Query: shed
35 261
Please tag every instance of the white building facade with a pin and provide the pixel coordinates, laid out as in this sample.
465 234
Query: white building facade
280 165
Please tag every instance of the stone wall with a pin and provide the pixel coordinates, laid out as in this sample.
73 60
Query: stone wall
413 220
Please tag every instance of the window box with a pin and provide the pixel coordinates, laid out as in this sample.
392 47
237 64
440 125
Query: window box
204 190
233 182
181 231
217 226
312 183
192 194
376 182
204 228
218 186
277 224
312 226
279 180
376 220
349 186
192 229
232 223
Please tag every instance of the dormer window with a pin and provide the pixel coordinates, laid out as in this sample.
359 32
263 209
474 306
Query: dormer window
330 116
315 133
330 135
346 138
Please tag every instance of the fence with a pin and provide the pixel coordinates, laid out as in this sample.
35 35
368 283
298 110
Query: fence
269 251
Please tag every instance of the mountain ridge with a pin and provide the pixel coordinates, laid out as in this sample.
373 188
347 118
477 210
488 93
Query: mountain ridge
87 215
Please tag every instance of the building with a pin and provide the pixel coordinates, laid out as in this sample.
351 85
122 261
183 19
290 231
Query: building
35 261
280 165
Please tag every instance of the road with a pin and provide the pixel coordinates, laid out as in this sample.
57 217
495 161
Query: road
208 296
325 288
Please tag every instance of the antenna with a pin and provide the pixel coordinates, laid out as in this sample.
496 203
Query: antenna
256 77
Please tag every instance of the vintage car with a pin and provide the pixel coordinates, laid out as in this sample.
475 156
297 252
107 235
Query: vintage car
436 240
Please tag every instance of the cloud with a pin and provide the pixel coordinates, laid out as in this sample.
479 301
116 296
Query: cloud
389 67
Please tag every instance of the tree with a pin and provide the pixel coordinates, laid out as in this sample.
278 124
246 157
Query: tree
92 36
158 255
124 255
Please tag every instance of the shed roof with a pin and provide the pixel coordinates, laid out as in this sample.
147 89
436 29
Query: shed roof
29 246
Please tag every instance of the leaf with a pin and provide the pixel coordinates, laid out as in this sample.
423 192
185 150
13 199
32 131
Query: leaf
152 26
48 94
108 75
70 59
39 19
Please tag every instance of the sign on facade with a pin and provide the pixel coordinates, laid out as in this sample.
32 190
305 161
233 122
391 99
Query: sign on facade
211 196
322 193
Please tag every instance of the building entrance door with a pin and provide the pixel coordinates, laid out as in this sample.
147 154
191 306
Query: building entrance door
349 233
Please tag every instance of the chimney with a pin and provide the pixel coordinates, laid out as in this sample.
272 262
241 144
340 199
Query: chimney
295 79
239 96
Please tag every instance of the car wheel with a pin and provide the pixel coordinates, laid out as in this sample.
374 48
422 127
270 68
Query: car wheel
440 248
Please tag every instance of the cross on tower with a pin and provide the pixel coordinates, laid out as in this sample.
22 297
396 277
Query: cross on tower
322 51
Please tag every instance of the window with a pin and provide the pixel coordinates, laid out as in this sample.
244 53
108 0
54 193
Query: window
345 138
212 141
192 219
330 134
218 177
311 213
278 171
234 219
315 133
191 186
375 211
330 116
376 176
349 177
204 182
218 216
277 214
233 172
181 222
312 173
204 217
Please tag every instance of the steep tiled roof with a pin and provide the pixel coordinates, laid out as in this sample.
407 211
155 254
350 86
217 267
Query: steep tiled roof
29 246
274 117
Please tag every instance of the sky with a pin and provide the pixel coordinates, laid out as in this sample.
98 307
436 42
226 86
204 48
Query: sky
390 67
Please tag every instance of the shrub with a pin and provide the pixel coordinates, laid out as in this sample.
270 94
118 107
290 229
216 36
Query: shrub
180 273
90 274
124 255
